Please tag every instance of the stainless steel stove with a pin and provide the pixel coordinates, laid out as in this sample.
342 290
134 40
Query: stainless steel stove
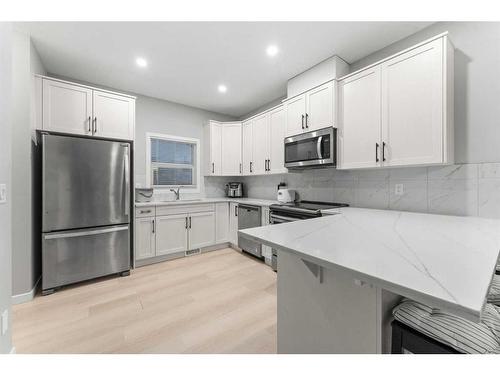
288 212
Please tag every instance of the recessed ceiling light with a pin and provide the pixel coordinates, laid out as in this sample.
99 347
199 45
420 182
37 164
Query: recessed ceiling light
272 50
141 61
222 88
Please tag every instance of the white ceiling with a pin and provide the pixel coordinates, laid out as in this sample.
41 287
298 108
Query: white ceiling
187 60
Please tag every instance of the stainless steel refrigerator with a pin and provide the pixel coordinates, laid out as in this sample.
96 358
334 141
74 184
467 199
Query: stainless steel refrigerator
85 209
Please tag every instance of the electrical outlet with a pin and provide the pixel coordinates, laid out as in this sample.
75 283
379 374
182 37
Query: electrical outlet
5 322
399 189
3 193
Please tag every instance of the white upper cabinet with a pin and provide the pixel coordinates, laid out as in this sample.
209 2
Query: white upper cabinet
359 129
412 106
276 163
223 149
113 115
311 111
295 110
66 108
231 149
247 147
401 107
77 109
260 151
320 108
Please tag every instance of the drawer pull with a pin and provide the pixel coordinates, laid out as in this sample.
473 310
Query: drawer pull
145 211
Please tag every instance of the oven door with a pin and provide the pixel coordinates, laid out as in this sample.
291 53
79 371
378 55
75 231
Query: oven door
316 148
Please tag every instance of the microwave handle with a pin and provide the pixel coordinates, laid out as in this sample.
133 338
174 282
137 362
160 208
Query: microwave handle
318 147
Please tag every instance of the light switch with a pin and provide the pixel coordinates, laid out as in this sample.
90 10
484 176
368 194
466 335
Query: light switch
3 193
5 322
399 189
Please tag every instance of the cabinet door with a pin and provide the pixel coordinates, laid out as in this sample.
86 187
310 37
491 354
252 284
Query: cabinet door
412 106
260 144
215 149
114 115
359 120
247 147
231 149
144 238
222 222
295 110
320 108
66 108
201 230
276 143
171 234
233 223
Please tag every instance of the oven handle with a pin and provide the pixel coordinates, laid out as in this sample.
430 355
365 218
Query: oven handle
276 219
318 147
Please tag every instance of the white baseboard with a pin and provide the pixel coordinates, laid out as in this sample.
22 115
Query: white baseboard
26 297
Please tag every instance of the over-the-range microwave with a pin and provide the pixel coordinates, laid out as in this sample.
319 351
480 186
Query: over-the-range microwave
317 148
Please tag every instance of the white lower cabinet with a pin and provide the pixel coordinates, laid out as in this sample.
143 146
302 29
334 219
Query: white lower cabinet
233 223
176 229
171 234
201 230
144 238
222 222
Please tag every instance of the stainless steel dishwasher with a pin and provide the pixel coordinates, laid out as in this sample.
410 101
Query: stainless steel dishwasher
249 217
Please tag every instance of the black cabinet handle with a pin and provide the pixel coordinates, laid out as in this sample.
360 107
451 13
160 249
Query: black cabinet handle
376 152
213 167
90 121
251 167
383 151
240 168
95 125
302 121
235 210
269 164
307 120
186 222
154 225
189 222
265 165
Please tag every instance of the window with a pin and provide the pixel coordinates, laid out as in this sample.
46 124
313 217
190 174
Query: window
172 161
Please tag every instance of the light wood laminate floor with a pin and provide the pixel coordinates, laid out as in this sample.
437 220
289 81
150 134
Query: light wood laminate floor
217 302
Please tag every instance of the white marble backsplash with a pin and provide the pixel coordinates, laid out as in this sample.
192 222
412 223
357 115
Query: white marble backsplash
461 189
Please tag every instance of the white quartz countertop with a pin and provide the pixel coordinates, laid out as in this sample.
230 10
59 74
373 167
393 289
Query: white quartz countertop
443 261
254 201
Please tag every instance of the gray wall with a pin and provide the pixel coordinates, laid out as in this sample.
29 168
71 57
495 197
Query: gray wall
477 85
5 169
25 251
160 116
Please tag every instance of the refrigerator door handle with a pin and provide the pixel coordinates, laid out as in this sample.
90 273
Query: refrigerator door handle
127 183
81 233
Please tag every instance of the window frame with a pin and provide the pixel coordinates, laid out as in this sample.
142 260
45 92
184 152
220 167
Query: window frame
167 137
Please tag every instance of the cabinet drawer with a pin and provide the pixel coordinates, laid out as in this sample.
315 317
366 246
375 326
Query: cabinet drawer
145 211
184 209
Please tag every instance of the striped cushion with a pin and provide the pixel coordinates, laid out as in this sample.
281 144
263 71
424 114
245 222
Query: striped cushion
459 333
494 292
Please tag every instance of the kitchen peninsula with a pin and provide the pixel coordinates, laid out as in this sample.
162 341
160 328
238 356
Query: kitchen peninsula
339 276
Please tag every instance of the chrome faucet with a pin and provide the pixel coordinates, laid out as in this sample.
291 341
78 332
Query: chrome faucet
176 192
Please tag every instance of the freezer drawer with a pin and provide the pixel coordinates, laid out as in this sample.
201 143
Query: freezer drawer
72 256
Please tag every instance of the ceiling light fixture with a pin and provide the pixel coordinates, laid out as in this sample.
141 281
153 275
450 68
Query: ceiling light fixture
141 61
222 88
272 50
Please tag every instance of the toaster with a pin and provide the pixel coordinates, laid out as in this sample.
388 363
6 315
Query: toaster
286 195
